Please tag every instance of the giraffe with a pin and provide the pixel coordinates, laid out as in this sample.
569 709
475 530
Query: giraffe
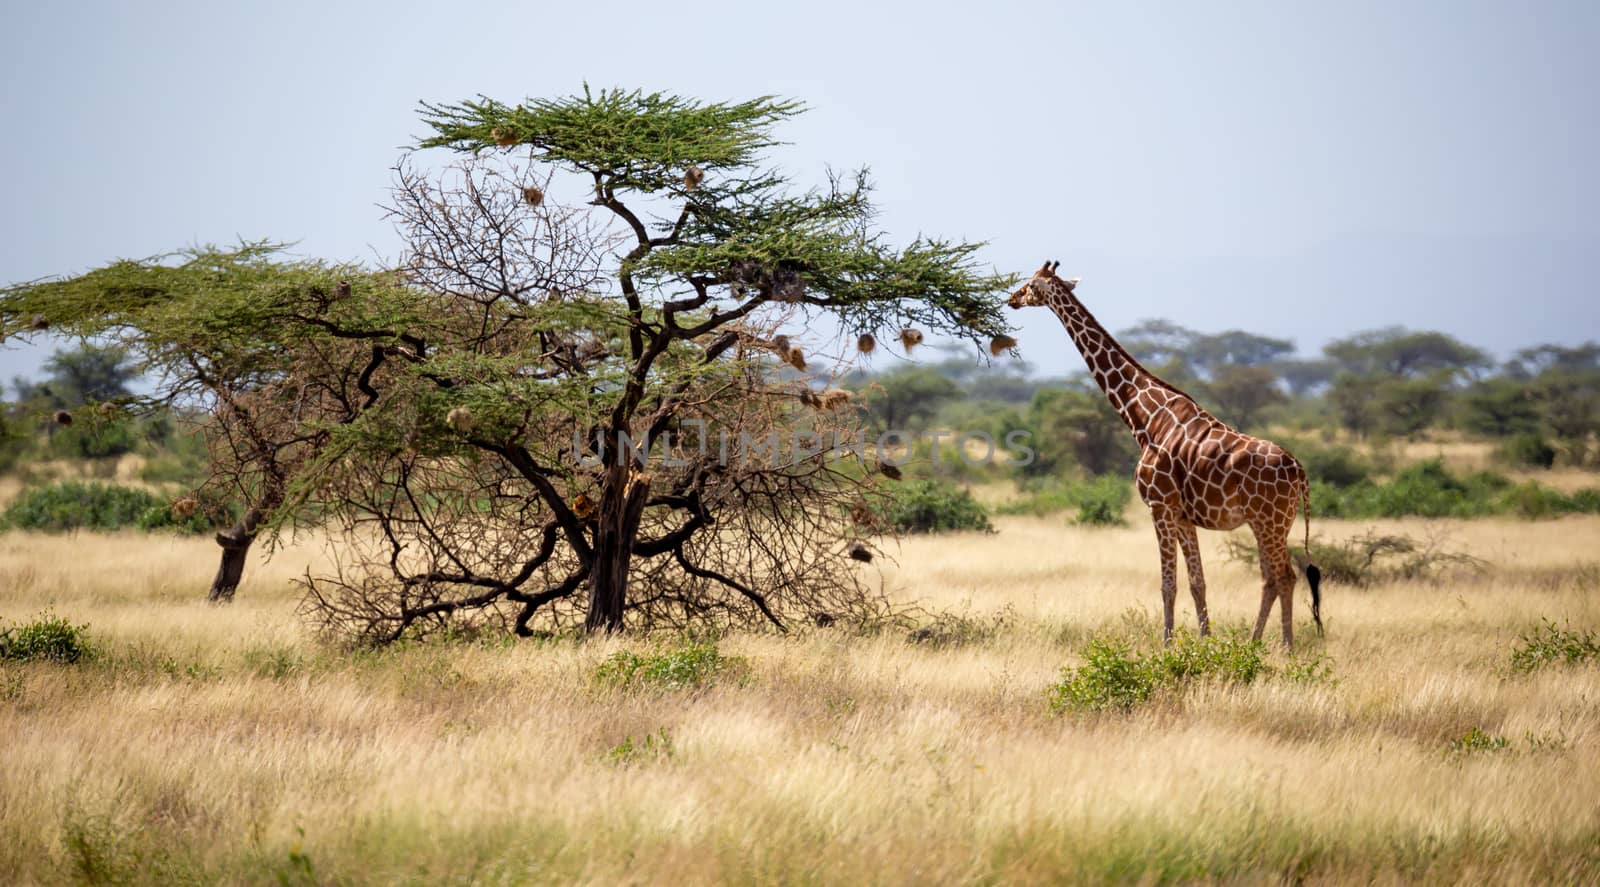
1194 471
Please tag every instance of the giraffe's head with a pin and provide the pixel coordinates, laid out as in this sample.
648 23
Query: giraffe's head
1041 287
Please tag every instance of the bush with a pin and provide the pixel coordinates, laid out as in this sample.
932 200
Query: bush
945 630
1333 465
47 638
1371 557
161 517
72 505
1113 677
933 506
1586 501
89 440
1228 658
1476 740
272 662
1310 669
1100 502
1549 645
1103 500
1428 489
655 746
682 668
1527 450
1110 677
1534 502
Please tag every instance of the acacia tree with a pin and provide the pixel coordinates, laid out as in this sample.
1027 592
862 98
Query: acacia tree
472 424
717 251
245 338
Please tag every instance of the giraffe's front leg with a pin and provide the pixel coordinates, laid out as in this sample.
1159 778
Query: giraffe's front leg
1167 538
1190 542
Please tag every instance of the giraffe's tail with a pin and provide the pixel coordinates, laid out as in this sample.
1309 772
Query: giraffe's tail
1313 575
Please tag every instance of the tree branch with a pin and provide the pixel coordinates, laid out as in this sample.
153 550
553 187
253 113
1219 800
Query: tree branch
753 596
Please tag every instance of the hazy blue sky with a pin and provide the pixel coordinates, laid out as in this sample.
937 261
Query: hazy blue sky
1298 169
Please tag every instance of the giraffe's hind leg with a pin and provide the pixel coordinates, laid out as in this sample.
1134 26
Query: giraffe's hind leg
1268 595
1167 535
1277 574
1189 541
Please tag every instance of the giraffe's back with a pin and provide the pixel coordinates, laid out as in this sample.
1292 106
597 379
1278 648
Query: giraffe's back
1230 479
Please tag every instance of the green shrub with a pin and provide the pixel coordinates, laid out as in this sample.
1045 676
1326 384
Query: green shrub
1040 498
272 662
1533 502
1428 489
1229 658
1103 501
1548 645
72 505
160 517
91 440
1100 501
1331 464
655 746
47 638
1113 677
681 668
1310 669
1586 501
1530 450
1476 740
933 506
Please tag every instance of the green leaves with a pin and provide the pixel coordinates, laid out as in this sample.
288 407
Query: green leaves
741 226
1113 677
643 141
233 311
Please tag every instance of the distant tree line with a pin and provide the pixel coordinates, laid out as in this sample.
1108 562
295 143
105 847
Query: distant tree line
1542 406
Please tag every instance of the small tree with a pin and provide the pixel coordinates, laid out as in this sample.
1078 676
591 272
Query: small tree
1305 376
1077 426
261 348
1241 393
908 397
89 373
1217 353
1397 381
1396 351
1500 407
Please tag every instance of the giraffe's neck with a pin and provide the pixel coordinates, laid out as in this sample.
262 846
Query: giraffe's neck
1118 374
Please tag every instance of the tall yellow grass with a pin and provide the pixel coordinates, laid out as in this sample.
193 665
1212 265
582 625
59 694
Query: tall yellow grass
225 745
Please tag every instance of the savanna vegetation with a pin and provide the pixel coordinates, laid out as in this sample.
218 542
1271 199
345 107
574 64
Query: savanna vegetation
479 640
1019 723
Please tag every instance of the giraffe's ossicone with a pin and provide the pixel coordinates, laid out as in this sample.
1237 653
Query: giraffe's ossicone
1194 471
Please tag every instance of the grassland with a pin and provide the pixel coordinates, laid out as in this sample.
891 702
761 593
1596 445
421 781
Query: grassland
225 745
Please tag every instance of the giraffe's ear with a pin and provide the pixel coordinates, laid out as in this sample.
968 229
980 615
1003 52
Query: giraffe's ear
1073 284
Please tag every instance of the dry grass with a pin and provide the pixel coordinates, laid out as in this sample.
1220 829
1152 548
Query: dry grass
224 745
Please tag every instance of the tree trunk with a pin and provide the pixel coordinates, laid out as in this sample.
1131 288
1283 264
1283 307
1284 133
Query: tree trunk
617 526
235 550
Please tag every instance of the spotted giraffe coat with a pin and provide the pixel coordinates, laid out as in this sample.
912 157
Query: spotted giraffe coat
1194 470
